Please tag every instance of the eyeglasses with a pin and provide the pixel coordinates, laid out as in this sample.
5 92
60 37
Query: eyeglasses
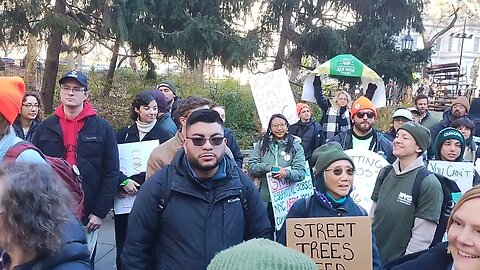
368 114
214 141
30 106
339 171
73 89
276 126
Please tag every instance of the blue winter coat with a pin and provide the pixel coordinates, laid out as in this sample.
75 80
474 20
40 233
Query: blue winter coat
380 143
97 159
317 208
73 255
435 258
201 218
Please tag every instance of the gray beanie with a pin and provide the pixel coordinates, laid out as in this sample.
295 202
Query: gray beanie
261 254
420 133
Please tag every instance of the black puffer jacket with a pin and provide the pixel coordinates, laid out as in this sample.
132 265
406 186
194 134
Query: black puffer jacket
311 134
201 218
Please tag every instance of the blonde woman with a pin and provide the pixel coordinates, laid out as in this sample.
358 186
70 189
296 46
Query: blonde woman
336 116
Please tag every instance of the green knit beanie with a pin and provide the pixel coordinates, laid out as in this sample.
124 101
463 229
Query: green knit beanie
448 133
261 254
420 133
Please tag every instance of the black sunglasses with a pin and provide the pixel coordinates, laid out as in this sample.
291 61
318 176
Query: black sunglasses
339 171
214 141
368 114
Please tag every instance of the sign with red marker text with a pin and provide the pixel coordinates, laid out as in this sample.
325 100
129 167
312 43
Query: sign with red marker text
367 167
133 159
284 194
337 243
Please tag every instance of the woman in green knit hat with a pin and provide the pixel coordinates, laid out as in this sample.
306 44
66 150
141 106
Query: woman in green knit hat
334 172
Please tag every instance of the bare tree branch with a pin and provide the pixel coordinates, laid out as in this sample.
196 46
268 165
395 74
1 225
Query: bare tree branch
430 43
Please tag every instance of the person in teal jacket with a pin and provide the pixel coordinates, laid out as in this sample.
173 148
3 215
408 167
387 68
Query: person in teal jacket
278 152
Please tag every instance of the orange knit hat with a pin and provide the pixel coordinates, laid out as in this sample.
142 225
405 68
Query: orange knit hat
12 90
362 103
300 107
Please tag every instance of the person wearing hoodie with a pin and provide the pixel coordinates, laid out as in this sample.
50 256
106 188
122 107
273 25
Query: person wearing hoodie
76 133
12 90
280 153
450 146
400 226
169 89
307 129
29 117
39 230
334 171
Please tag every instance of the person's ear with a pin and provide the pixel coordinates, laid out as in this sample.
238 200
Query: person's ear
183 121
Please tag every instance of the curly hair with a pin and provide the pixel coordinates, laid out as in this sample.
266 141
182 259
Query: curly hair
36 204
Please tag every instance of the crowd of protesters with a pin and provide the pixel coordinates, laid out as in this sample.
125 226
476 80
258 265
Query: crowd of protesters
196 207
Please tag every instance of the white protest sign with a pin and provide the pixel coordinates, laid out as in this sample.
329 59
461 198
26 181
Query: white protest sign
460 172
133 159
272 94
367 166
284 194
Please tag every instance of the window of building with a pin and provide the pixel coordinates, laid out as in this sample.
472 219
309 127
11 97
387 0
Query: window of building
476 44
450 43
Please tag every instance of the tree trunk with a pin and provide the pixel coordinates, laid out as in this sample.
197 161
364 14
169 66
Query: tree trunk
51 63
111 69
31 63
197 73
282 44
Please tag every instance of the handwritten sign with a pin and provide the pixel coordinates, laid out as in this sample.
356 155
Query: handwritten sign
133 159
460 172
367 166
272 94
285 193
339 243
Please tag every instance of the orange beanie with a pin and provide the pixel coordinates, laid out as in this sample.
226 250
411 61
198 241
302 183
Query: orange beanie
300 107
12 90
362 103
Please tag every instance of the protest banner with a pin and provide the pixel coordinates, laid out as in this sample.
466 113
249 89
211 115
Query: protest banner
272 94
284 194
367 167
336 243
133 159
460 172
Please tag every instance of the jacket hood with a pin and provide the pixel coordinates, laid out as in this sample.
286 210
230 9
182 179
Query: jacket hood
86 112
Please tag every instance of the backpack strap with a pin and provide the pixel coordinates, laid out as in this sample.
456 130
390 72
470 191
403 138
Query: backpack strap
166 190
17 149
243 192
417 184
384 173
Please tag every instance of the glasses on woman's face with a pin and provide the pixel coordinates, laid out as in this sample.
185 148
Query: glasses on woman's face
368 114
30 106
339 171
277 126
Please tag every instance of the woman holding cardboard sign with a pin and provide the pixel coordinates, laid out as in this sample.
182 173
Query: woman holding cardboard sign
462 251
280 153
334 172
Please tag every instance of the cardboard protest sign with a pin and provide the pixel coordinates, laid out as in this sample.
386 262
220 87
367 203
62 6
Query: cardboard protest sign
133 159
337 243
460 172
367 166
272 94
285 193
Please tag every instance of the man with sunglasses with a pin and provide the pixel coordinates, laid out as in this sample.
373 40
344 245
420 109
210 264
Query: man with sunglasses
212 205
76 133
362 135
163 154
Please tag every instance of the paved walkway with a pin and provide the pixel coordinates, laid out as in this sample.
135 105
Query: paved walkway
106 252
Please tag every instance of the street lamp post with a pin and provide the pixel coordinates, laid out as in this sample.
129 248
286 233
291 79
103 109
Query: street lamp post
463 36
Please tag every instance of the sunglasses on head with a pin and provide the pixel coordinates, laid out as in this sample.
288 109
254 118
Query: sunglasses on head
339 171
214 141
369 114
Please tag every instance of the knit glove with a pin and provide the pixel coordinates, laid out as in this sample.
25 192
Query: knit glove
370 90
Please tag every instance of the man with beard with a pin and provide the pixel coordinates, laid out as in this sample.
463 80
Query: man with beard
169 89
426 118
459 109
197 206
362 135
